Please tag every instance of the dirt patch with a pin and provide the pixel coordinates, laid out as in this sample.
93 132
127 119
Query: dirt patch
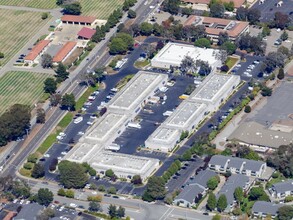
74 56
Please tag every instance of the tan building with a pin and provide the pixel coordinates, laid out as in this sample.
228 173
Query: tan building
214 26
204 4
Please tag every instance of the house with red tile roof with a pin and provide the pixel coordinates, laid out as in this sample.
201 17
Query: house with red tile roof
86 33
64 52
78 19
36 51
214 26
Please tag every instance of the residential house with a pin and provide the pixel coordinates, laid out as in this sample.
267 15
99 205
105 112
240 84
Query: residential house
262 209
237 165
234 181
195 189
282 189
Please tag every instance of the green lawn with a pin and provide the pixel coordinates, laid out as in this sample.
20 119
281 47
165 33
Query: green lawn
230 62
20 87
141 64
85 96
98 8
16 28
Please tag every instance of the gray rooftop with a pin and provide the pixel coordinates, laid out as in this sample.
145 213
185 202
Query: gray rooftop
29 212
231 184
266 207
218 160
255 133
190 192
283 187
202 178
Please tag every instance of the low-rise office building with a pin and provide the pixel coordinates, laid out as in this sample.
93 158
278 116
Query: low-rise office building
282 189
172 54
123 108
262 209
214 26
206 98
64 52
236 165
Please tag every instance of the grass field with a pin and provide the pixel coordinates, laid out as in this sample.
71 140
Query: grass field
98 8
20 87
16 28
45 4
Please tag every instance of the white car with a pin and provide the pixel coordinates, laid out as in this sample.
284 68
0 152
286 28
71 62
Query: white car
93 116
59 138
47 155
73 205
238 65
62 134
248 70
90 122
59 158
63 153
78 120
151 7
80 133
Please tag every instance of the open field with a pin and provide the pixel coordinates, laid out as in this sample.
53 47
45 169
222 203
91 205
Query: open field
16 28
45 4
20 87
98 8
101 8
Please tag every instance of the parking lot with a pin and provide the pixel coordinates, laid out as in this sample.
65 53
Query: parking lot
152 117
269 8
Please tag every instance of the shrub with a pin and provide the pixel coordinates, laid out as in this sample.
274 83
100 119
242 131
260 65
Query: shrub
97 198
101 188
247 109
225 68
112 190
28 166
33 158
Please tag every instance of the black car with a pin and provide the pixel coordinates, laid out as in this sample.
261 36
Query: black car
107 195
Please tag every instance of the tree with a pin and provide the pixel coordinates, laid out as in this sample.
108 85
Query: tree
69 194
109 173
217 10
41 116
50 85
221 55
212 183
15 122
241 14
222 203
158 30
273 60
266 31
72 9
282 160
204 67
229 47
171 6
68 102
229 6
131 13
223 37
95 207
44 197
281 74
155 189
117 46
216 217
188 65
146 29
285 212
281 20
112 211
211 202
44 15
284 50
47 61
61 192
203 42
99 35
255 193
112 190
284 36
38 171
187 11
1 55
253 15
101 188
238 194
61 73
55 99
136 180
120 212
247 109
72 175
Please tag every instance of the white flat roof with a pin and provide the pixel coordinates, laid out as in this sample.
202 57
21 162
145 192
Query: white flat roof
164 135
122 162
108 124
173 53
82 152
213 87
185 113
139 87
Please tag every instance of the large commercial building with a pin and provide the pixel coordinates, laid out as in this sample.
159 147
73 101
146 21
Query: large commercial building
173 53
120 111
206 98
